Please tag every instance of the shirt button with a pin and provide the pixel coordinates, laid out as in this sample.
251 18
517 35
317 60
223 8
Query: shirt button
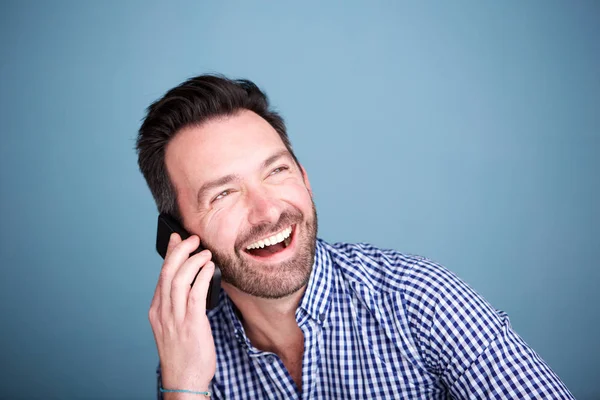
322 317
271 359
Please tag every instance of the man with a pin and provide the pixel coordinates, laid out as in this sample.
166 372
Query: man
298 317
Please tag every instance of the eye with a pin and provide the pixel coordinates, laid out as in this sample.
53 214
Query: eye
221 195
278 170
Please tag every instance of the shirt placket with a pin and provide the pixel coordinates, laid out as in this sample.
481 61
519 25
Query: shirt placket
313 332
275 373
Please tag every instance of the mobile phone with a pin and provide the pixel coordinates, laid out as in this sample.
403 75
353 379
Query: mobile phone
166 226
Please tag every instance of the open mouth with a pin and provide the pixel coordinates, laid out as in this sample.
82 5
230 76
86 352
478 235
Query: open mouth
272 245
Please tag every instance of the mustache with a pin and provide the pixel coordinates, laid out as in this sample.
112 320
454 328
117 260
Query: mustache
258 232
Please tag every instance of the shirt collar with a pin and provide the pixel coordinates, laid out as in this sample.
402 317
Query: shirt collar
315 301
229 313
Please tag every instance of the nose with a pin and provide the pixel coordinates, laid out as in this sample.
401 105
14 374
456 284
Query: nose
262 208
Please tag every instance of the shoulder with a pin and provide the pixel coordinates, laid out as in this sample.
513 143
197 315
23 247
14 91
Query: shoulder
419 288
389 271
438 307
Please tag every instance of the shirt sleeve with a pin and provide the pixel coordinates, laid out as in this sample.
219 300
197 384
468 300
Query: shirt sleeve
509 369
159 395
470 345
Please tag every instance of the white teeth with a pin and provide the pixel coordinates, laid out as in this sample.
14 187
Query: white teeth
277 238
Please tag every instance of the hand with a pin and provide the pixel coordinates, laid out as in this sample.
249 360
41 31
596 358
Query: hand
178 317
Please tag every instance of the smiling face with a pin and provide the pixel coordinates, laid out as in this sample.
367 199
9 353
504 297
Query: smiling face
241 191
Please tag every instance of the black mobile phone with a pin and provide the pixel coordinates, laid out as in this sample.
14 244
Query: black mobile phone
166 226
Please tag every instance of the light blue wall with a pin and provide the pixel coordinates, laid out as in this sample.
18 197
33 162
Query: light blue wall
468 132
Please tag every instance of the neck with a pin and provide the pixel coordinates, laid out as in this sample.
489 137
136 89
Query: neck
270 324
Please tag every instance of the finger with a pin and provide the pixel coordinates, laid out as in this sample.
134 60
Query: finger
179 254
196 306
174 240
153 313
155 303
180 289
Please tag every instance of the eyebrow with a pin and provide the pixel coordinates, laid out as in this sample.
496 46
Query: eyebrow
275 157
208 186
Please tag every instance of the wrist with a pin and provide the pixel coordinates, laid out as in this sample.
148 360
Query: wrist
183 394
183 388
184 385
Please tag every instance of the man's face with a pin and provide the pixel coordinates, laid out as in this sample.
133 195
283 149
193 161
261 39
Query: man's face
238 188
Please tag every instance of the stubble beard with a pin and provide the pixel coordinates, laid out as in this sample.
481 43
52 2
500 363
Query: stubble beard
274 281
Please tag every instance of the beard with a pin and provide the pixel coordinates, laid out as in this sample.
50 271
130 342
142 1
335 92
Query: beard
272 281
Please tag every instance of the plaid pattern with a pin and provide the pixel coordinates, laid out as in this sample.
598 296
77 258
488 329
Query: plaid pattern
383 325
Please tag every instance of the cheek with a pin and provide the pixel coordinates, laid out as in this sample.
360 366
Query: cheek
222 228
300 197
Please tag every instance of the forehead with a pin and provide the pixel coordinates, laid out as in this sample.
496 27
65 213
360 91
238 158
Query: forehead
221 146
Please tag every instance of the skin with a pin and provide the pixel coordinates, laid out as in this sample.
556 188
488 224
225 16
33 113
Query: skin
262 200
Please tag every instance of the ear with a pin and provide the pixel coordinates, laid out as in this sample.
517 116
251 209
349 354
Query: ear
306 182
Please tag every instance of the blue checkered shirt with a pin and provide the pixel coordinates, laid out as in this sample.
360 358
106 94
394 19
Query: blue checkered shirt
379 324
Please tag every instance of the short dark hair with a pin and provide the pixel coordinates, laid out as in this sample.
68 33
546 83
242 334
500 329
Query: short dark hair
193 103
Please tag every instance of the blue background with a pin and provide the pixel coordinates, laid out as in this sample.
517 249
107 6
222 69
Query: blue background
467 132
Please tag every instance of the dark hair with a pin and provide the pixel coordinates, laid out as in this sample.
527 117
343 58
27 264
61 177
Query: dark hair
193 103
